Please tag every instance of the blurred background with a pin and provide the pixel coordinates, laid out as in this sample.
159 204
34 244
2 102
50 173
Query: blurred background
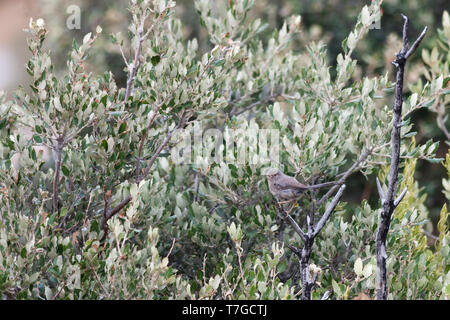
329 21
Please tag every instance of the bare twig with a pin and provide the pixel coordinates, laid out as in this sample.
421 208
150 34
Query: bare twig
132 71
380 191
345 175
123 56
416 43
441 124
137 54
430 235
328 211
162 146
326 295
269 99
388 202
60 290
400 197
109 213
144 138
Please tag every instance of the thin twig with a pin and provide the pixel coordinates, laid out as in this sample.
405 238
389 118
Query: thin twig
328 211
441 124
345 175
380 191
140 38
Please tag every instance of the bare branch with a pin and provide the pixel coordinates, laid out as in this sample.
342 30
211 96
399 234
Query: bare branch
161 147
291 221
343 176
400 197
268 99
431 236
389 204
416 43
109 213
123 57
405 33
132 71
328 211
380 191
441 124
296 228
137 54
325 295
295 250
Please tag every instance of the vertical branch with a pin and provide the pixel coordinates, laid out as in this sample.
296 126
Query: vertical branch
388 202
109 212
305 275
133 69
137 54
58 163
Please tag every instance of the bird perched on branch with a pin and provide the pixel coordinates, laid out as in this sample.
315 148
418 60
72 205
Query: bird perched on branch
284 187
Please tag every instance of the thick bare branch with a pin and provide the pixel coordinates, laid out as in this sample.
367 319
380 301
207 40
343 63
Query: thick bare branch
388 202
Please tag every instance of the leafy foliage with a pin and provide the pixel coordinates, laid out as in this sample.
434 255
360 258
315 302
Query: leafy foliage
77 148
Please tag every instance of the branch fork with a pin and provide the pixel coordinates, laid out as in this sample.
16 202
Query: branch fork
383 197
308 237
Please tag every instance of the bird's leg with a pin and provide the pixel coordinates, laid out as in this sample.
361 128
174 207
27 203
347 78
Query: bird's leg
292 208
289 201
283 202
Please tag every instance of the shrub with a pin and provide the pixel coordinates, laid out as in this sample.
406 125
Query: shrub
114 216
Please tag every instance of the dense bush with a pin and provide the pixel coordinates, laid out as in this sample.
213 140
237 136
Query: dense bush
93 205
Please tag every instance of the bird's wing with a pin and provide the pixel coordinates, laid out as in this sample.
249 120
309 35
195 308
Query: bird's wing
291 183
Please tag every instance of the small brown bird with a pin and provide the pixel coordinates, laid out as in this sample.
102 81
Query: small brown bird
284 187
287 188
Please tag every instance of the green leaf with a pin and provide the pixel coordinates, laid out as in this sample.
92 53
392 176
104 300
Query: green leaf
262 28
219 63
429 103
435 160
65 171
104 144
10 143
113 38
37 138
410 134
122 127
116 113
155 60
23 252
